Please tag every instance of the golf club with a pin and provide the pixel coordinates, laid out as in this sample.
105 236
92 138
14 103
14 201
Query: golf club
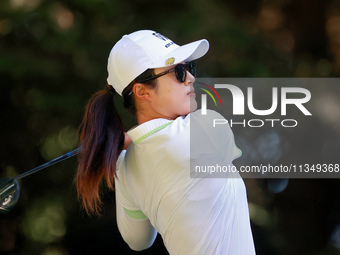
10 189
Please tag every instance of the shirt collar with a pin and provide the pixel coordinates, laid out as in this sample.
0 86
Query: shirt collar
147 128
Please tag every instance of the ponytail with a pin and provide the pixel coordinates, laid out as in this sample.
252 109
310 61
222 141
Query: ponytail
101 141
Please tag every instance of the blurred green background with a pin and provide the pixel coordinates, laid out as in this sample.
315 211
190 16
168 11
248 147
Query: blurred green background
53 58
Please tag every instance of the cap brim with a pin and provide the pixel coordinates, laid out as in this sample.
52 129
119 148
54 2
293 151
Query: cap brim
187 52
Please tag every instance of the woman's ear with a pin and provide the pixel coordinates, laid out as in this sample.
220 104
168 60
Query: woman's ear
141 91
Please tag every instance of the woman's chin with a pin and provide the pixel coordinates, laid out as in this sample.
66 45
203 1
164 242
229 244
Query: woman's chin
193 105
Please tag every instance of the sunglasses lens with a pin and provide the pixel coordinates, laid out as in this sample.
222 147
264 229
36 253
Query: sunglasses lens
181 71
181 74
192 68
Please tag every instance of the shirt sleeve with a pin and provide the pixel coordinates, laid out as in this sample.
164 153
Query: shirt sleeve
134 227
138 233
123 188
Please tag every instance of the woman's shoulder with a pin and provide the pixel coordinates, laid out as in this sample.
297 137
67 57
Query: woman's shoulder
208 114
208 119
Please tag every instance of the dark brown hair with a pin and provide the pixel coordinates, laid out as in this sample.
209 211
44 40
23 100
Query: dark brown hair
101 142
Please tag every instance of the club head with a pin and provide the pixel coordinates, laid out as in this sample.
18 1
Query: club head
9 194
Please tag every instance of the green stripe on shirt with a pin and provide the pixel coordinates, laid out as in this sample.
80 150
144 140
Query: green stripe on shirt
138 215
152 132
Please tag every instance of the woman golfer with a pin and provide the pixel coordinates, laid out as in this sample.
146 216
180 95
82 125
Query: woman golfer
157 186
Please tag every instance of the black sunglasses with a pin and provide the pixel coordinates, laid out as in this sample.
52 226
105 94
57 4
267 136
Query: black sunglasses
180 71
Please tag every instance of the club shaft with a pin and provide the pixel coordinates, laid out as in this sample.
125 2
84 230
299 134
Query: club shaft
49 163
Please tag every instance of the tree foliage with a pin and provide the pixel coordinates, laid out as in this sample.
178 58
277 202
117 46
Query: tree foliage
53 58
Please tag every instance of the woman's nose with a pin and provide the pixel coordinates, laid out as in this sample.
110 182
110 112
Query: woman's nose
190 79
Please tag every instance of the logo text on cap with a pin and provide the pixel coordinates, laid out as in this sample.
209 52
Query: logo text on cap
160 36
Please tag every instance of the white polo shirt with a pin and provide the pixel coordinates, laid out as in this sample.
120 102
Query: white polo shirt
193 215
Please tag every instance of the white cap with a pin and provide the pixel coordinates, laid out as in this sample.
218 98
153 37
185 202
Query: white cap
146 49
